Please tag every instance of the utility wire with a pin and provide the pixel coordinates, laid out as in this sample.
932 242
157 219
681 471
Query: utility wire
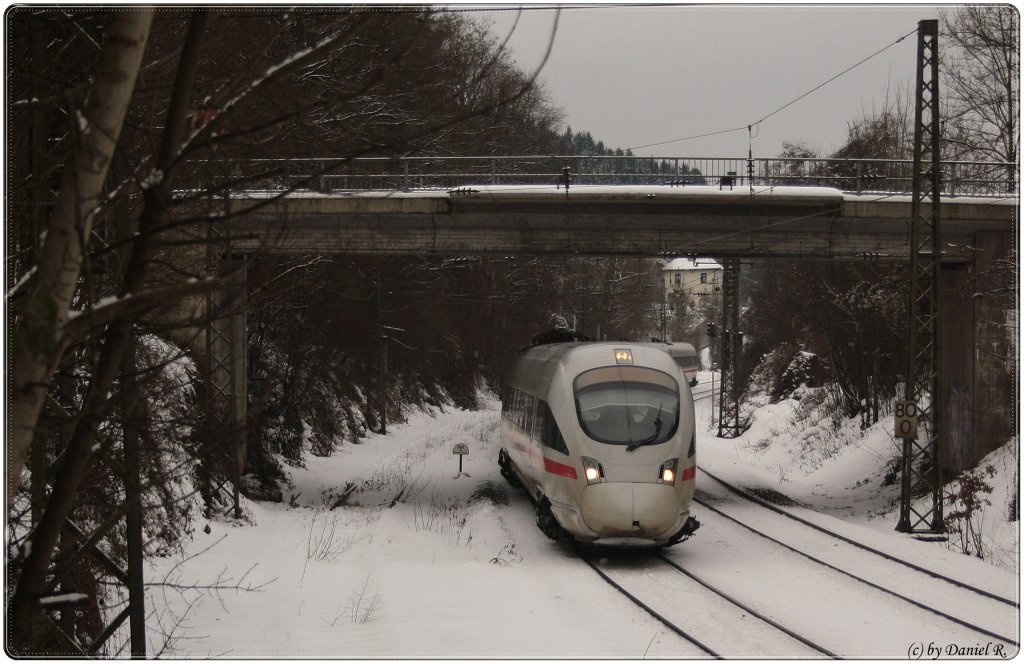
688 138
750 126
848 69
542 8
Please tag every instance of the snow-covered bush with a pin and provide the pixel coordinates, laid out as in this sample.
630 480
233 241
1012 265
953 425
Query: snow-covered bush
968 496
983 511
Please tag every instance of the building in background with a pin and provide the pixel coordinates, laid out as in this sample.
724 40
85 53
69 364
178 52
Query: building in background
697 278
691 297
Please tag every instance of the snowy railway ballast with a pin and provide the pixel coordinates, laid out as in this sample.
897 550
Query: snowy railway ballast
602 436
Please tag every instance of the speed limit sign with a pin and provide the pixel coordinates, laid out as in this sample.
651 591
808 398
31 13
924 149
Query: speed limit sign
906 414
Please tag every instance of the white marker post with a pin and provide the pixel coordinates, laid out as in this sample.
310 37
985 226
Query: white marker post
461 449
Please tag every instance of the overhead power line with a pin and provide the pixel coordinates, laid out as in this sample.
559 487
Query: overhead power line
749 127
688 138
848 69
458 9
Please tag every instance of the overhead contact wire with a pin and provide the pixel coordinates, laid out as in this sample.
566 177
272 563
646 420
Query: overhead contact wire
756 123
848 69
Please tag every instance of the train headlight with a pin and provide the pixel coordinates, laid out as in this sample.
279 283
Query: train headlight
667 472
592 470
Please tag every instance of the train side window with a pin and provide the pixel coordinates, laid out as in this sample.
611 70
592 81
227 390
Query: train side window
529 414
549 433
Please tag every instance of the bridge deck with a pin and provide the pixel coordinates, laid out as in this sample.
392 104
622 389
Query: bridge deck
808 222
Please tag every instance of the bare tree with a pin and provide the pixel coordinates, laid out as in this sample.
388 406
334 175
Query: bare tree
980 62
40 341
190 116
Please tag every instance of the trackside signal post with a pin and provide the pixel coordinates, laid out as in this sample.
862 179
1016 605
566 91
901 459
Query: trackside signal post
922 463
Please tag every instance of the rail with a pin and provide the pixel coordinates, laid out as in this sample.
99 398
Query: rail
861 176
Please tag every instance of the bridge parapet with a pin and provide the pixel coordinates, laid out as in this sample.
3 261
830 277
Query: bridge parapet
960 178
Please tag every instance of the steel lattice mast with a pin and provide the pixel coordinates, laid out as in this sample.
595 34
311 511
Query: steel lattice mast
225 372
728 396
922 461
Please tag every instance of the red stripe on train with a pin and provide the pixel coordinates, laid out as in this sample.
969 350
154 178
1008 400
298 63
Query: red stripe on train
689 473
561 469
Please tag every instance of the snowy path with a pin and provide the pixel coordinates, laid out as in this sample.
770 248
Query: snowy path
419 563
457 568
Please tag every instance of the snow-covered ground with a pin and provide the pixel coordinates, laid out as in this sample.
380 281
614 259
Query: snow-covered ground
385 551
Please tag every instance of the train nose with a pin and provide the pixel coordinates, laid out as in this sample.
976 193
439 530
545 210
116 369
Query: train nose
623 509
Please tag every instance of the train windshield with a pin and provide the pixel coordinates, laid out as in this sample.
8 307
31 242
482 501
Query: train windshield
627 405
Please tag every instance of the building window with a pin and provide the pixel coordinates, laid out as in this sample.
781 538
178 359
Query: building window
678 278
703 277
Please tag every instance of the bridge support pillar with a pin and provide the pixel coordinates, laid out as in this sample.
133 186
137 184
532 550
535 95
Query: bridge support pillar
978 358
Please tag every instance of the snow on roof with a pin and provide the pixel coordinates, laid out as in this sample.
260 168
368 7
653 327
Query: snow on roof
703 264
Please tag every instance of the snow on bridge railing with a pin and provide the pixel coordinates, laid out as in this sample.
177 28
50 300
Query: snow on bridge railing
961 178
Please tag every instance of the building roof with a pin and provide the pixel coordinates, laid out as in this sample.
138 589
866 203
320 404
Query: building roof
702 264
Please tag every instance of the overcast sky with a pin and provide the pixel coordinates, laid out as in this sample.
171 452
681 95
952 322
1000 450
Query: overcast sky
633 76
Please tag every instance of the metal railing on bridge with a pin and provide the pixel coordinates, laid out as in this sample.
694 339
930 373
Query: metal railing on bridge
959 178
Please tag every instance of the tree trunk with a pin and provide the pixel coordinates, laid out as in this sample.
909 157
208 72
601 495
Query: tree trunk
79 453
37 347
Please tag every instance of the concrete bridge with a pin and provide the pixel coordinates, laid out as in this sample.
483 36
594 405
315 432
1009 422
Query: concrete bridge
766 222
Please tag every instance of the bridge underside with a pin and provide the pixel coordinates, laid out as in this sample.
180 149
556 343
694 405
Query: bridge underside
821 224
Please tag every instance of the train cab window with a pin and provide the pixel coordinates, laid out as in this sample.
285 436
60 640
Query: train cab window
686 361
626 405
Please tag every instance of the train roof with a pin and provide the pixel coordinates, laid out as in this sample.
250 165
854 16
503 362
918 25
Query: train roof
535 365
674 348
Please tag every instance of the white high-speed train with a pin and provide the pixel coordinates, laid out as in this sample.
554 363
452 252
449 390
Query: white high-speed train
685 356
602 436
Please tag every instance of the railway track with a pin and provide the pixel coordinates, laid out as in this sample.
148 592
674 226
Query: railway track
746 495
659 593
652 582
957 607
932 598
708 614
700 394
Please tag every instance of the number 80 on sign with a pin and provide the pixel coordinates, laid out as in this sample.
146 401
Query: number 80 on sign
906 414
